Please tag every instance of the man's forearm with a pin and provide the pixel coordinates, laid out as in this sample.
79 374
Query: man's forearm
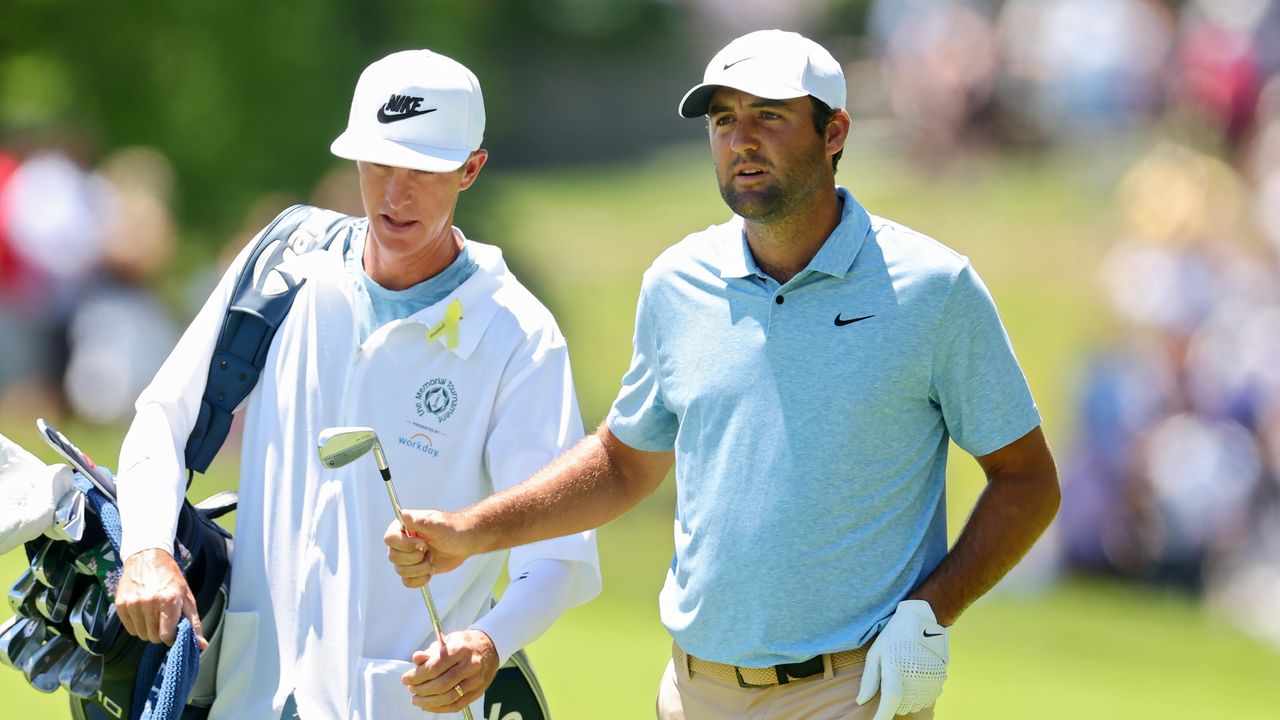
592 483
1008 518
149 483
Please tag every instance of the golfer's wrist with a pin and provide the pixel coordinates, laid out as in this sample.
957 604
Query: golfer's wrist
477 536
941 614
146 552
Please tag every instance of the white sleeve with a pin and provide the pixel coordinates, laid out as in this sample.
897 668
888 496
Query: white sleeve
534 600
151 476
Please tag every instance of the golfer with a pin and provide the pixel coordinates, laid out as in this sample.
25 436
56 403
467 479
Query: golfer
405 325
805 364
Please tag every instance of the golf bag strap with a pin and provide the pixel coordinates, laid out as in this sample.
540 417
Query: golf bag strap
252 319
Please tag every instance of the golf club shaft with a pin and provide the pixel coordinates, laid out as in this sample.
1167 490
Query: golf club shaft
426 592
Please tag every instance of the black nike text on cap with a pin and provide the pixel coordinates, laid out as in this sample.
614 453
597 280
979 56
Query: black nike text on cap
414 109
772 64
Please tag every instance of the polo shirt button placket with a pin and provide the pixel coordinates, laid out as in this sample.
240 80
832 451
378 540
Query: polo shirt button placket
777 300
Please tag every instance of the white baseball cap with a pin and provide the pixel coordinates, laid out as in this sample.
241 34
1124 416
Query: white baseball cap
414 109
772 64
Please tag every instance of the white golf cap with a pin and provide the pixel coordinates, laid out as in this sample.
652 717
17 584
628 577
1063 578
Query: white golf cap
772 64
414 109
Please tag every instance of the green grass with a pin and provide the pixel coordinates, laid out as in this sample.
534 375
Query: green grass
1035 230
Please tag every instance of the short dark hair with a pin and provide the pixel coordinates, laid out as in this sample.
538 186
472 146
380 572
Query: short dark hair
822 114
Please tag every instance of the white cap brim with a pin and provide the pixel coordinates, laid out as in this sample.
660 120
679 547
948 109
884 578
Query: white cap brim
698 99
364 147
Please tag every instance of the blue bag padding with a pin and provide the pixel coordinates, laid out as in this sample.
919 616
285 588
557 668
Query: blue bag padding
252 319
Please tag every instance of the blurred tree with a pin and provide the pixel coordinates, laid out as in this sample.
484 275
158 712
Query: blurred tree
850 16
244 97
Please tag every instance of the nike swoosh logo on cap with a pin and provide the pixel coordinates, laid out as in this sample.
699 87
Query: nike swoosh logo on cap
384 118
735 62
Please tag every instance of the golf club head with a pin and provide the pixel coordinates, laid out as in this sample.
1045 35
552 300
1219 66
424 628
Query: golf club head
25 643
41 669
68 517
9 624
51 565
89 617
339 446
22 594
53 603
111 630
11 630
81 673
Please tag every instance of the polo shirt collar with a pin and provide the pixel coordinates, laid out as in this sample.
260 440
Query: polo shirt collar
476 297
834 258
735 259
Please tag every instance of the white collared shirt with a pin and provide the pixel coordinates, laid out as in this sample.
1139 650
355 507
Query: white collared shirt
315 608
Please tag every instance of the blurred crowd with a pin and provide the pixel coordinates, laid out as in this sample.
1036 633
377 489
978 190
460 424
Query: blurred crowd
1032 72
80 250
1173 476
86 276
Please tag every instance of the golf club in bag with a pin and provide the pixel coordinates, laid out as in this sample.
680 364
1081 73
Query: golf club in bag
515 690
65 632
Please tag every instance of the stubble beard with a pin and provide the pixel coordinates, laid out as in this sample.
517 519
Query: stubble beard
766 205
774 202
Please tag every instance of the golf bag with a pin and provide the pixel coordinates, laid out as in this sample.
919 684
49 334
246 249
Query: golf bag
65 631
204 550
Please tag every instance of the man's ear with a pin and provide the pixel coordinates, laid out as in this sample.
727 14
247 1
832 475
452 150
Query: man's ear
471 168
837 131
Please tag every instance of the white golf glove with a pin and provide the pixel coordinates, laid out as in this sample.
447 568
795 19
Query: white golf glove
29 493
907 663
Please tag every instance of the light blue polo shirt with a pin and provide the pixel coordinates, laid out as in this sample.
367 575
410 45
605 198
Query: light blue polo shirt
810 423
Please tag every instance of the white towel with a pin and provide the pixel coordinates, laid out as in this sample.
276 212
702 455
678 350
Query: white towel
29 492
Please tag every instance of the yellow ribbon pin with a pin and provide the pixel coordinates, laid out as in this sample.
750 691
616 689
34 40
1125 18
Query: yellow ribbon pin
448 326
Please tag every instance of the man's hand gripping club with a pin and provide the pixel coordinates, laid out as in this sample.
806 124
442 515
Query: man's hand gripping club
468 659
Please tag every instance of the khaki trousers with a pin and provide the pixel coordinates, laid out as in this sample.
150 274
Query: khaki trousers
831 696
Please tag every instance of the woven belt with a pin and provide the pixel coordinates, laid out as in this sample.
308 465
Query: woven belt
775 674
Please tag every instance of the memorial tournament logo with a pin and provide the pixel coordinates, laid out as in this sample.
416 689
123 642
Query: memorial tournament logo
437 397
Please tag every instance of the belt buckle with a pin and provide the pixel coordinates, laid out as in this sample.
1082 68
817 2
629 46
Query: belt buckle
799 670
785 672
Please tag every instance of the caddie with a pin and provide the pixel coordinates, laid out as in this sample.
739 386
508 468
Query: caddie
403 324
805 365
